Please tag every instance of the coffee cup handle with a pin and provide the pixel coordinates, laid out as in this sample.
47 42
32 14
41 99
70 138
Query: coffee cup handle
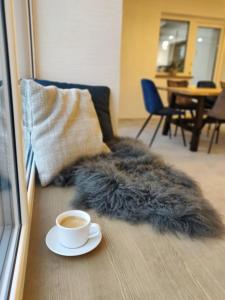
94 230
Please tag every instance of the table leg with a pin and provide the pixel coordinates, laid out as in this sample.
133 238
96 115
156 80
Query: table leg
198 125
166 126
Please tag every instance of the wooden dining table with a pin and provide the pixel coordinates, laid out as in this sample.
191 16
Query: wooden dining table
199 94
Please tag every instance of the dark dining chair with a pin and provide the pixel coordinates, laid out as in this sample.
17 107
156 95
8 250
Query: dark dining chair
182 103
154 106
222 84
209 101
217 115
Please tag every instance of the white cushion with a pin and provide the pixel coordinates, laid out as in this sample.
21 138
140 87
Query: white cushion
63 125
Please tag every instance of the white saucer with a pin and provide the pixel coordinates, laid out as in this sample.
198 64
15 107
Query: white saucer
54 245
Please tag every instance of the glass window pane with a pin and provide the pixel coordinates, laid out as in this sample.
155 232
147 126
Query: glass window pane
207 43
9 199
25 71
6 218
172 46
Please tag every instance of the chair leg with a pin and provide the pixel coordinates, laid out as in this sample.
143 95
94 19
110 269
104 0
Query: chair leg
143 127
155 133
208 129
176 128
175 132
170 132
212 139
183 137
182 132
218 134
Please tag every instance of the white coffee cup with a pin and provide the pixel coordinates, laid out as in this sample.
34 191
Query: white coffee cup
76 236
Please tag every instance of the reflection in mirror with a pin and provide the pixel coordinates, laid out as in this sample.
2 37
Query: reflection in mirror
5 188
6 213
4 181
172 46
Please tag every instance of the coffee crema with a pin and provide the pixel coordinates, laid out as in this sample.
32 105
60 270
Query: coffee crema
72 222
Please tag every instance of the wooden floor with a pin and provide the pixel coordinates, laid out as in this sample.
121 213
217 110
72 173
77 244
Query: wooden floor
133 262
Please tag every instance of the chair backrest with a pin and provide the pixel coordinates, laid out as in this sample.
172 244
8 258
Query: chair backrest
218 110
177 83
222 83
206 84
152 100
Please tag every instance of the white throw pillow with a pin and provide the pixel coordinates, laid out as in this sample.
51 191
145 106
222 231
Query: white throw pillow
63 125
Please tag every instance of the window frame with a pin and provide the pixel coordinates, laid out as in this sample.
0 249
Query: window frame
12 231
26 194
194 23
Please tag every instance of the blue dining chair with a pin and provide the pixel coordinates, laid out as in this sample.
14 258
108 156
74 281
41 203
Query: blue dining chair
154 106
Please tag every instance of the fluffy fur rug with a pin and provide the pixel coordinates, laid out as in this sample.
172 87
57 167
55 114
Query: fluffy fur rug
133 184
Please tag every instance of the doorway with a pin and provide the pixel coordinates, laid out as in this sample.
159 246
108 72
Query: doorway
206 49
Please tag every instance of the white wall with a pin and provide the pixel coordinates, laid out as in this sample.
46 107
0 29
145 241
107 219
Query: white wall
79 41
223 73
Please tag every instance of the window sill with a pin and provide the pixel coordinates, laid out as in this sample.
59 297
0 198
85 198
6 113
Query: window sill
181 76
55 276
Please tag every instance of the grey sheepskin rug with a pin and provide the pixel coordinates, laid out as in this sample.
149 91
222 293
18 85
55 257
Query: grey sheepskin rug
133 184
